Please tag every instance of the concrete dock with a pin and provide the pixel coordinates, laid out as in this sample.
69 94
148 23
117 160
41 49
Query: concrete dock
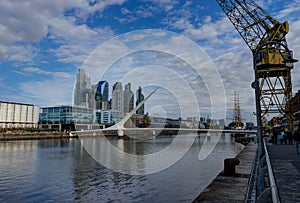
33 136
231 189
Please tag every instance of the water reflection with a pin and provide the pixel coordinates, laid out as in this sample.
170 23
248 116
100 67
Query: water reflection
109 155
62 171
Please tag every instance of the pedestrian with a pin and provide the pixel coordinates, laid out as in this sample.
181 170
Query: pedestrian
290 137
297 140
275 137
285 137
280 137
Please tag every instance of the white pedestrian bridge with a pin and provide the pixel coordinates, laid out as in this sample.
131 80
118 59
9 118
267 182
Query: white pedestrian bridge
141 133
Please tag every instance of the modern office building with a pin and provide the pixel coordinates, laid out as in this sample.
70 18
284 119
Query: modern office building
18 115
101 95
117 103
128 98
117 116
67 118
140 98
109 104
91 99
83 89
104 117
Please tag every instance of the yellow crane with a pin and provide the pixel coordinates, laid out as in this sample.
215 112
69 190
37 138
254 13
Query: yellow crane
272 60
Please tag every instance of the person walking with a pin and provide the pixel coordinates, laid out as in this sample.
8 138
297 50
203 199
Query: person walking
285 136
280 137
290 137
275 137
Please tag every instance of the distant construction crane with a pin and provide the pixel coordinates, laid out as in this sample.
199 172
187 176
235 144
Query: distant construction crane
272 59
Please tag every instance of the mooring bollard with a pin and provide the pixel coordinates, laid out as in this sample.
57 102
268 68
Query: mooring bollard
229 166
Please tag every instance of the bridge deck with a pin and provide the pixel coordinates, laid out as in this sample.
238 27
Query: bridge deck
112 131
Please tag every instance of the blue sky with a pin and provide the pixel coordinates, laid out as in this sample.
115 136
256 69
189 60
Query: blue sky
43 43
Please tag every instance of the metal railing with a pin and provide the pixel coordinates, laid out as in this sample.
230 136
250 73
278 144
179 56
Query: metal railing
262 186
251 190
273 186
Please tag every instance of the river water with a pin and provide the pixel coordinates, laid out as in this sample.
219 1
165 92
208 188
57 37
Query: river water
63 171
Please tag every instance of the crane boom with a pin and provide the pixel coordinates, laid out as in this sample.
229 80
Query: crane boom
253 23
273 61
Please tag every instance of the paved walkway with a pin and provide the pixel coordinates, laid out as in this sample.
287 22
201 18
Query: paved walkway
286 167
231 189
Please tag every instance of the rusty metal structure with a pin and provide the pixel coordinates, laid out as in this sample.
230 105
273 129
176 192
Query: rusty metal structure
273 61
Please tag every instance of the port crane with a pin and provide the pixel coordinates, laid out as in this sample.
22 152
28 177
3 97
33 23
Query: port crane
272 60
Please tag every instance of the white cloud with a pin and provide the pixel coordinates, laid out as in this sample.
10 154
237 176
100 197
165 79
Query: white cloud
167 5
236 70
48 92
29 21
179 23
212 31
71 53
21 53
68 30
157 66
19 22
76 41
79 44
40 71
137 13
100 5
289 8
293 39
21 73
181 18
3 51
125 11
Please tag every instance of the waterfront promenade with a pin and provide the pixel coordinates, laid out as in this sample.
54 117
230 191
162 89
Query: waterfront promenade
286 168
234 188
33 135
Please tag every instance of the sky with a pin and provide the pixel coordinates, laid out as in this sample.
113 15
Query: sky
44 43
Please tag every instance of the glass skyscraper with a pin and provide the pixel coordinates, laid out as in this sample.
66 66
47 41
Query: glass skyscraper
140 98
83 89
128 98
101 95
117 102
